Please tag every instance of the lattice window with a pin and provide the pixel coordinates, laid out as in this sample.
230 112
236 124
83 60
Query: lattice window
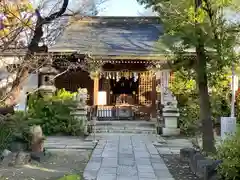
145 88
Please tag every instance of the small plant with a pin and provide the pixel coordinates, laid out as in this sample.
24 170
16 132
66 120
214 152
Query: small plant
229 153
71 177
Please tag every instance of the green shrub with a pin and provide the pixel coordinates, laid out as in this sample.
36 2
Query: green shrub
229 153
6 133
13 127
71 177
184 88
54 113
238 106
189 118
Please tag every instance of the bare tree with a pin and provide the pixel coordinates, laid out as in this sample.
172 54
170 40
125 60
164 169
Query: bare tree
31 31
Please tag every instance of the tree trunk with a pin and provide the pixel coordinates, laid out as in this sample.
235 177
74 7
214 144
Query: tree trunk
13 96
202 81
204 101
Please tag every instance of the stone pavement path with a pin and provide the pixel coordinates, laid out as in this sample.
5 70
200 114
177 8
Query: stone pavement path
126 157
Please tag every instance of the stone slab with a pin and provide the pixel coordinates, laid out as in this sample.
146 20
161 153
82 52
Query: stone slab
107 177
126 157
127 177
107 170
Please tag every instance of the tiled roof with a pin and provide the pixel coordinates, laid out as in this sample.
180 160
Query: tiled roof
111 36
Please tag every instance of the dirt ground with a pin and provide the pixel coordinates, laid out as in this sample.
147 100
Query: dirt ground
59 163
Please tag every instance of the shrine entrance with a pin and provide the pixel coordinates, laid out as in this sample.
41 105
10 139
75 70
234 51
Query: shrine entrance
124 90
129 92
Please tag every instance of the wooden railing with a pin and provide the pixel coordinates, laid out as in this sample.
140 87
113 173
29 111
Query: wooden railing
104 113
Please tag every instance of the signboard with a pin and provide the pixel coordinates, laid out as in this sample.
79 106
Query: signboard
228 126
235 79
164 83
102 98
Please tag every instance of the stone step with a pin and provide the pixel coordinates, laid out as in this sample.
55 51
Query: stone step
137 127
126 123
68 146
63 142
127 131
124 128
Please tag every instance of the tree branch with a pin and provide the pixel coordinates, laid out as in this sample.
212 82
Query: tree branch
57 14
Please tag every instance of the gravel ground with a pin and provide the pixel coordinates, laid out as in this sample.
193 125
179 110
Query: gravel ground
61 162
178 169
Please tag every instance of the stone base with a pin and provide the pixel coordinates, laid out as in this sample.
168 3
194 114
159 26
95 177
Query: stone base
170 131
171 122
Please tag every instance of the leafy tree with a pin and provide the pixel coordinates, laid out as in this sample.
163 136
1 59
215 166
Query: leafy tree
15 18
199 37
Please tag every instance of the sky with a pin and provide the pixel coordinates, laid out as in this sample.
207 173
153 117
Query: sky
108 8
123 8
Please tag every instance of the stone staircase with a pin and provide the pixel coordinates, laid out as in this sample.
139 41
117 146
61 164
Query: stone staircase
133 127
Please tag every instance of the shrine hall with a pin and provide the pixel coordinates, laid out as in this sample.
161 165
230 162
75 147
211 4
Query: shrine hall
122 66
127 70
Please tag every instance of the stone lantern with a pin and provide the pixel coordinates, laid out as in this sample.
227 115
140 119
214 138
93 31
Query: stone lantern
46 80
80 112
170 114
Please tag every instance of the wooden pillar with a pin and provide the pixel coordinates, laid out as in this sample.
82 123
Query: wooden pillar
154 96
95 90
108 91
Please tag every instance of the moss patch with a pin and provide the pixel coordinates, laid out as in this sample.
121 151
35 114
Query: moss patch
71 177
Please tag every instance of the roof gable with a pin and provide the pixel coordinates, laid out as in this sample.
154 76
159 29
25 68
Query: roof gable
111 36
